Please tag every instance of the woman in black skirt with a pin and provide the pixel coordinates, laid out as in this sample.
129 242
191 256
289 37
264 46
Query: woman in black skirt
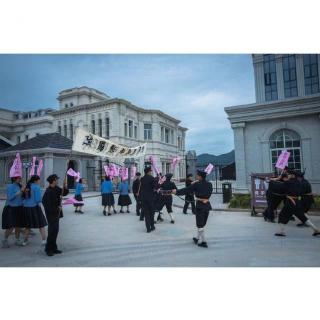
78 196
107 196
32 212
12 212
124 198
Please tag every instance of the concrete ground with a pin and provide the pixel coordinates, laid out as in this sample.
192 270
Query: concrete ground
235 239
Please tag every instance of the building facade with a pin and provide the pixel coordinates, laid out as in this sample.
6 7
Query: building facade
113 118
286 116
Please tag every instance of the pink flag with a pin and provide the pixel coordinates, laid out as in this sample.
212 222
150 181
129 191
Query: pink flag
16 169
33 166
174 162
125 174
40 166
111 170
133 171
209 168
162 180
72 201
154 164
282 161
72 173
106 170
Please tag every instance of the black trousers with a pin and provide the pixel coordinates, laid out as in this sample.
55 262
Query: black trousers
138 205
201 217
148 213
167 202
273 204
186 205
53 230
289 209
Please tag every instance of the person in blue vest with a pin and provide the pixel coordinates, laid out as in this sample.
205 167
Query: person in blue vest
12 212
32 212
107 196
124 199
78 196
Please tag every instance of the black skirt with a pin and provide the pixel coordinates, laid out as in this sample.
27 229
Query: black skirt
12 217
79 198
107 199
124 200
34 217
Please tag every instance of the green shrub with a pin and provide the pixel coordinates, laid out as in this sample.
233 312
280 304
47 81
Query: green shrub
242 201
316 202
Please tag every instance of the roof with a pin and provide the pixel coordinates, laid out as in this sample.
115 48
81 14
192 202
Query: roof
49 140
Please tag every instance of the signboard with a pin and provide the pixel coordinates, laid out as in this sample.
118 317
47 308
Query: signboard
258 189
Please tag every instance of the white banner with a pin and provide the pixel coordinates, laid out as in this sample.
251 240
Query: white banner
87 142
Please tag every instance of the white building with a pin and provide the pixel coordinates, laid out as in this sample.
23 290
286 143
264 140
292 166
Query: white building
113 118
285 116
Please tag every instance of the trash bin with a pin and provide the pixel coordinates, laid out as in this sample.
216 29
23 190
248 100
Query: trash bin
226 192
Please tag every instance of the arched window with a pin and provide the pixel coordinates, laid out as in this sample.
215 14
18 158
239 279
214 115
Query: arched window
286 140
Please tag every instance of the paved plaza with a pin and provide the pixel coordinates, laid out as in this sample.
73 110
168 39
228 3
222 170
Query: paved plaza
235 240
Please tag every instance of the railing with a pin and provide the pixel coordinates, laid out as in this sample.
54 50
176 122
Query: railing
217 185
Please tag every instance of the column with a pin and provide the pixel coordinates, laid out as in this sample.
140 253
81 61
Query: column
239 143
259 77
266 163
307 157
300 75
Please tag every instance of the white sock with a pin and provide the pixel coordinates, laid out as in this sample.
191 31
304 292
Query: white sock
282 228
44 241
201 235
310 224
171 216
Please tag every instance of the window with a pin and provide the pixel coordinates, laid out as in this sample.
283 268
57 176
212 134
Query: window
135 132
18 139
167 167
289 75
71 131
93 126
125 129
66 105
270 77
311 75
71 104
107 128
162 134
179 143
65 130
286 140
147 131
26 137
130 128
166 135
171 140
100 127
59 129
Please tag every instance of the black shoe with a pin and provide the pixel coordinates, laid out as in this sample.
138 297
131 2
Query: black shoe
184 212
195 240
57 251
104 212
172 221
302 225
316 233
128 211
75 211
49 253
121 211
278 234
114 211
81 212
148 231
109 214
203 245
153 228
138 214
141 219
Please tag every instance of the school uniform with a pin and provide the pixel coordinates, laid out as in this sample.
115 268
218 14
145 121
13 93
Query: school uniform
107 195
32 212
124 198
12 216
78 193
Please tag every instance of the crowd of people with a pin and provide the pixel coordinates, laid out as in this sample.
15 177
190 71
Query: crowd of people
22 211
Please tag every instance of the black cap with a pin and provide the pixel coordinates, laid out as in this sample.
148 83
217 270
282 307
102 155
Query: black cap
202 174
300 174
147 170
52 177
292 171
138 174
169 176
189 175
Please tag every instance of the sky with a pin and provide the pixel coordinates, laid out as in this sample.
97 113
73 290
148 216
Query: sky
192 88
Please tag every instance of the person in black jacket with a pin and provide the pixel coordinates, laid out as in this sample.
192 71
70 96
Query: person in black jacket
136 192
202 190
147 196
189 198
51 201
165 197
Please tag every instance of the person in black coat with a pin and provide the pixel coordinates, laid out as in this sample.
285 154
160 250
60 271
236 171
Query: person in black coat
147 196
165 197
51 201
202 190
136 192
189 198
